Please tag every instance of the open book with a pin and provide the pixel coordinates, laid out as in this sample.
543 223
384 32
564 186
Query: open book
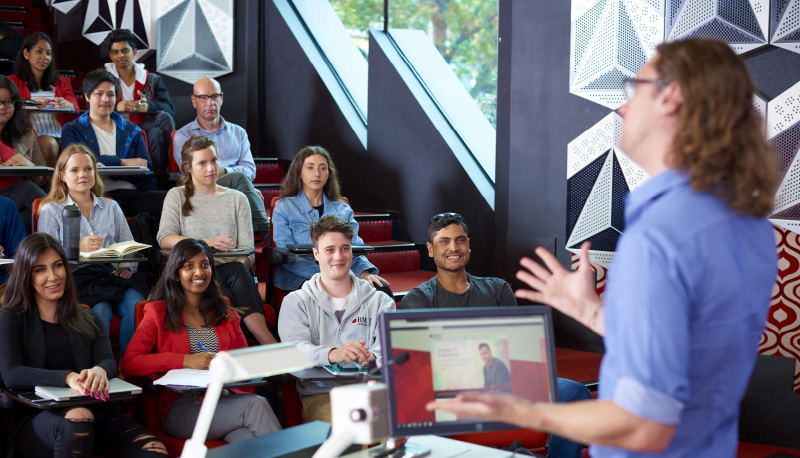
116 250
60 393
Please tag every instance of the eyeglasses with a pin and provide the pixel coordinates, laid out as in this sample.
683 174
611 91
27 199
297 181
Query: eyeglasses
441 216
629 85
204 98
9 103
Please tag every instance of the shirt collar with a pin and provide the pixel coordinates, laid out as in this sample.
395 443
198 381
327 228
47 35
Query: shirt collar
637 201
96 201
195 125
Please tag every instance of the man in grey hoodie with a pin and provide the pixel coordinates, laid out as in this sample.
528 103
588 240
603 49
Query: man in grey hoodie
333 317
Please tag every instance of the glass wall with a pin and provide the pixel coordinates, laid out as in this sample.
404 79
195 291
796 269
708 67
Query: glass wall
464 32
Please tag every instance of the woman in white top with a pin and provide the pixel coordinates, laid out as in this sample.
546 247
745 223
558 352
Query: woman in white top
75 182
201 209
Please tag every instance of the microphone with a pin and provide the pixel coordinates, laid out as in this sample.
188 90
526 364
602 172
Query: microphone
31 102
399 359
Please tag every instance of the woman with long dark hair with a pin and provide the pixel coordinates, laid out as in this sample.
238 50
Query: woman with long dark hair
10 42
46 338
184 325
108 287
38 79
199 208
310 191
18 147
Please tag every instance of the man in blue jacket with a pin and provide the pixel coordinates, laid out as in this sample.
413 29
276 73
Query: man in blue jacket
114 142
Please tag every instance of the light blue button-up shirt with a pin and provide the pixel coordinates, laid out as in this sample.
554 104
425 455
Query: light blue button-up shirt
105 219
233 146
686 301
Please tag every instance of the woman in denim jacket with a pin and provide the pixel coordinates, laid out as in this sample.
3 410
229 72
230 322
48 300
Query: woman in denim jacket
309 191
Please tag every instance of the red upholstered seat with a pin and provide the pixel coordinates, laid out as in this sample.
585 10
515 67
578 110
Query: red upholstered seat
375 231
271 173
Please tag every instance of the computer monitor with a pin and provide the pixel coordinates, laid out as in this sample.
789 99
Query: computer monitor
449 351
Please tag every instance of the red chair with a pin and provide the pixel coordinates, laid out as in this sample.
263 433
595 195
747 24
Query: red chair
150 411
174 167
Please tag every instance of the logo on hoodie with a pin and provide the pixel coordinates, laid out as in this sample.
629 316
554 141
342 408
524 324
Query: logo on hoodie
361 321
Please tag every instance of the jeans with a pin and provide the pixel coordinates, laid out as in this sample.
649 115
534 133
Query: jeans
568 391
126 309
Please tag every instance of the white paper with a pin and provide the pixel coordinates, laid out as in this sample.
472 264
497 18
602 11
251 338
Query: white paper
185 377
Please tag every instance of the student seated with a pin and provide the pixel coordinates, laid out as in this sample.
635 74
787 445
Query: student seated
141 91
188 310
37 79
236 170
114 141
334 316
202 209
46 338
18 147
10 42
75 182
310 191
448 246
12 231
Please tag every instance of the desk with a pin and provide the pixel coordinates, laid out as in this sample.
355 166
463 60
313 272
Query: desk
246 251
319 374
112 170
446 448
44 405
52 110
143 113
188 388
25 171
133 257
355 249
296 442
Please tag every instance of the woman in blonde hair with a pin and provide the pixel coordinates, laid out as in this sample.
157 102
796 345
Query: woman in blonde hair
201 209
75 182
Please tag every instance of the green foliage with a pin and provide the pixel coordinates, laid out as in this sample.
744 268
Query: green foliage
464 32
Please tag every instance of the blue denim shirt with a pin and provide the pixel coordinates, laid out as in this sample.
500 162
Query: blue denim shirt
291 224
685 305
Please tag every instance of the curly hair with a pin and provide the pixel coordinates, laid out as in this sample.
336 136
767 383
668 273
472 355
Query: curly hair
720 140
292 184
58 188
194 143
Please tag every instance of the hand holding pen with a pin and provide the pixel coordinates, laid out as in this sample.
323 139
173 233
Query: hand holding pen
198 360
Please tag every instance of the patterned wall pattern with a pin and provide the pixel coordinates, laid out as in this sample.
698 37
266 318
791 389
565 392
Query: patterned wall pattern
195 38
100 19
599 175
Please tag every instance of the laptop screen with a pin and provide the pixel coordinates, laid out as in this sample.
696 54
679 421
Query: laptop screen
449 351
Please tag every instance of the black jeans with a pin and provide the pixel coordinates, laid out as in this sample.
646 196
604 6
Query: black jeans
240 288
110 434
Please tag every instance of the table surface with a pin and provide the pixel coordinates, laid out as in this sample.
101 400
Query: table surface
25 171
242 384
145 113
355 249
44 405
133 257
246 251
319 374
52 110
442 447
296 442
123 170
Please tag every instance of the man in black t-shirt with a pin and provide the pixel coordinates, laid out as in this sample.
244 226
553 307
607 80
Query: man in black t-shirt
448 245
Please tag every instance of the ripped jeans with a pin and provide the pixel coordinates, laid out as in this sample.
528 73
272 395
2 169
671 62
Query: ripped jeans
108 434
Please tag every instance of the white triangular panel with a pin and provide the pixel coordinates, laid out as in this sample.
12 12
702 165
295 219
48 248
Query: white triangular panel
587 147
596 213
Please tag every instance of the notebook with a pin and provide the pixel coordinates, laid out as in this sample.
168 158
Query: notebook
117 387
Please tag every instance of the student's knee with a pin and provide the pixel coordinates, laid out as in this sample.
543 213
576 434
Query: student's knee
570 390
151 444
49 148
79 414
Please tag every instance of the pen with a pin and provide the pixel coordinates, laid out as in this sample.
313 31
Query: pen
203 347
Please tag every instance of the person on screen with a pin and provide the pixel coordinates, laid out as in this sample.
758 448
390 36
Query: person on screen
448 245
334 317
495 372
48 339
185 324
689 291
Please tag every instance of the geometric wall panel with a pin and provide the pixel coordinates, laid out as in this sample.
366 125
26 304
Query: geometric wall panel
65 6
743 24
195 38
783 129
611 40
136 16
784 19
599 177
99 20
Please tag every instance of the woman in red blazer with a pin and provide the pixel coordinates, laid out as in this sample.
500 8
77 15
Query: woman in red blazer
37 78
185 325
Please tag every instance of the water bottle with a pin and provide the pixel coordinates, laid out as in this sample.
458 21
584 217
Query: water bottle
71 220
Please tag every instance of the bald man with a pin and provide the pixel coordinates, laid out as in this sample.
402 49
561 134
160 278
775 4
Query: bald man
236 167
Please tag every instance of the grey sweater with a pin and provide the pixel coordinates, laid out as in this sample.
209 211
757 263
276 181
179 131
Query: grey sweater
307 320
223 214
